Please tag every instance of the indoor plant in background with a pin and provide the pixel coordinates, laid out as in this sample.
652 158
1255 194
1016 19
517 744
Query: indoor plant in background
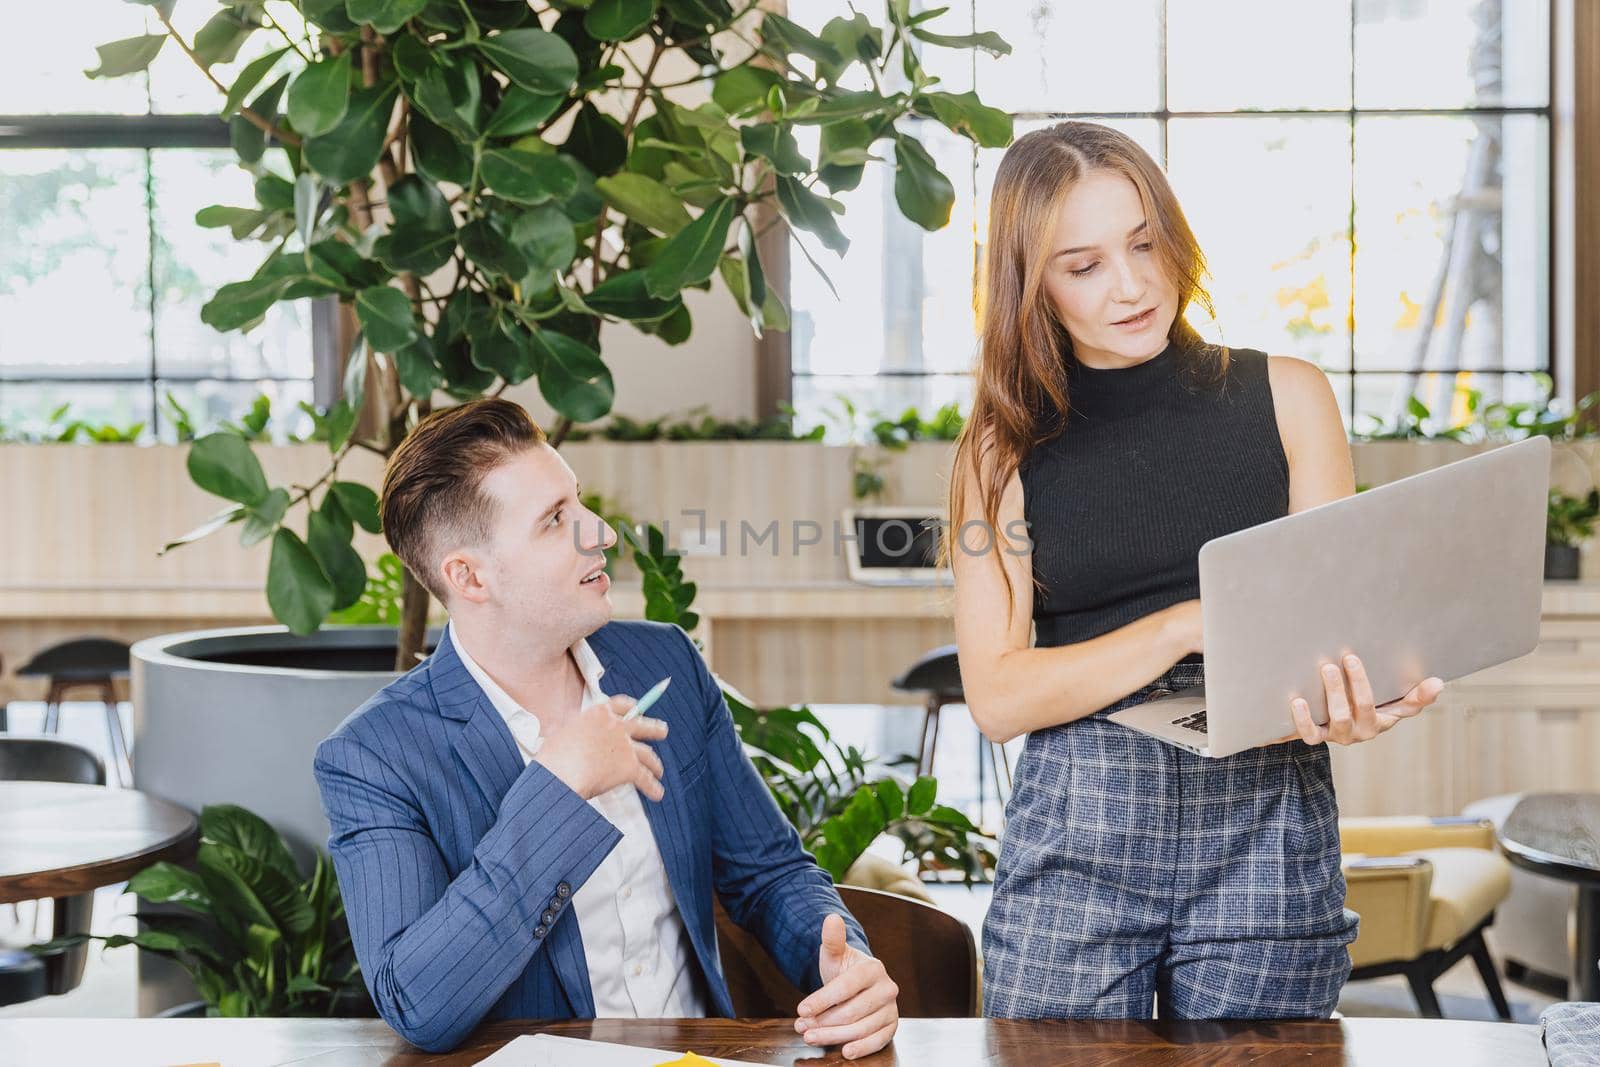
486 183
255 937
1569 523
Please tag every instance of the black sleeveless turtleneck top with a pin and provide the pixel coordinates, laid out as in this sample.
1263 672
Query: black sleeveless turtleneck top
1152 464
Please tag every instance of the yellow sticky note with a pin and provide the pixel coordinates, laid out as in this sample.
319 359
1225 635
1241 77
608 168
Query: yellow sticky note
689 1060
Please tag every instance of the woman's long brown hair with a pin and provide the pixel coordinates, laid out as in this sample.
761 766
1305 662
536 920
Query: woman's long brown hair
1020 380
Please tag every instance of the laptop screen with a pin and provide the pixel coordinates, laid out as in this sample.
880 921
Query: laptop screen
897 541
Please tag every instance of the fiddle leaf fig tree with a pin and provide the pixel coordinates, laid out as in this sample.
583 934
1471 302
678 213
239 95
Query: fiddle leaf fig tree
484 184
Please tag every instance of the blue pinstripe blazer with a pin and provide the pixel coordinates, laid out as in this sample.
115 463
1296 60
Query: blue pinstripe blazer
457 864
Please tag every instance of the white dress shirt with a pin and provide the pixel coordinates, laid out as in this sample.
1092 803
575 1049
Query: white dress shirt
641 961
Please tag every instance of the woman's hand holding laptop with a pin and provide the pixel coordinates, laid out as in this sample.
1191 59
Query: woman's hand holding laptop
1352 716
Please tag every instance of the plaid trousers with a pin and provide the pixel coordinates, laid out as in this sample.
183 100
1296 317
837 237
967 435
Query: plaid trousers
1132 871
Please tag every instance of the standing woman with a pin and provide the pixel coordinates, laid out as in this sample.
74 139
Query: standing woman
1132 871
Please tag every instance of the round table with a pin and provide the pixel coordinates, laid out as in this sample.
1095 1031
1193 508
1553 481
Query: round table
1558 835
59 840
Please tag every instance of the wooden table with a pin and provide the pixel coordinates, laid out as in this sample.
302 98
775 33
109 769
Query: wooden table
1558 835
60 840
923 1042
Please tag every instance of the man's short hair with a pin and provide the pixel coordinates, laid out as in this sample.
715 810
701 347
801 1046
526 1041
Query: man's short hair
433 496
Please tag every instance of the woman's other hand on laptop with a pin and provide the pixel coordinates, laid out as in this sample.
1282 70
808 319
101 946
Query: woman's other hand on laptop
1352 715
1182 622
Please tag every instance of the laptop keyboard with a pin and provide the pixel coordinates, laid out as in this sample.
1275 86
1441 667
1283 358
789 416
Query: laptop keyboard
1195 722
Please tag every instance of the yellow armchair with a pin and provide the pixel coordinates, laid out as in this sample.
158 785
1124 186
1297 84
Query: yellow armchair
1425 890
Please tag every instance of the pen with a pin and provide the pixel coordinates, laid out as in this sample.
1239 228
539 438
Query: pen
648 699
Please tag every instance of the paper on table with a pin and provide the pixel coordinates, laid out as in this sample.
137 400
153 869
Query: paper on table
547 1050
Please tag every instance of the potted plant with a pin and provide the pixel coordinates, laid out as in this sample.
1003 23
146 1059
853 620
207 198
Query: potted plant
1569 523
448 172
488 189
255 937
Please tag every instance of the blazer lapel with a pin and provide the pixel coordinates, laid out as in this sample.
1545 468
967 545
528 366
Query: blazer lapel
483 742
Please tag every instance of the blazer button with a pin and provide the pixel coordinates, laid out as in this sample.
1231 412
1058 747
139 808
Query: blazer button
540 930
548 917
563 890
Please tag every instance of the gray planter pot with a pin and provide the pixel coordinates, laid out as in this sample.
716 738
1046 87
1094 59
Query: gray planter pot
234 716
1560 561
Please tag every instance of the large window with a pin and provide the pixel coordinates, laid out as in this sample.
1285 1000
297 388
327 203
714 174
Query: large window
1369 180
103 269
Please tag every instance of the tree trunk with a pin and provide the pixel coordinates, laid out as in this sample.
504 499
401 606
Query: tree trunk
413 636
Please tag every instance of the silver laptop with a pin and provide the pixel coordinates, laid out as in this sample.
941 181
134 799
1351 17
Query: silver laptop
1437 574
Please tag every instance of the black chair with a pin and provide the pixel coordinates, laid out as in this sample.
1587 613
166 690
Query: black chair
86 663
22 975
937 673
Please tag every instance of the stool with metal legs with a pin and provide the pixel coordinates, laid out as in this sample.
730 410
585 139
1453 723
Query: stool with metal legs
937 673
86 663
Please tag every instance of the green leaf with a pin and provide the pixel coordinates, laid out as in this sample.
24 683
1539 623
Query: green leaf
924 194
596 140
167 883
385 16
127 56
242 303
225 517
248 78
537 60
386 319
920 799
891 799
774 142
506 351
423 236
307 193
264 518
223 464
418 369
781 37
965 114
437 152
330 15
351 149
572 377
240 221
244 830
990 42
544 237
526 177
674 329
319 96
691 255
618 20
298 591
520 112
287 911
341 421
445 87
808 211
856 38
644 200
250 142
743 87
488 248
626 297
360 503
219 40
339 561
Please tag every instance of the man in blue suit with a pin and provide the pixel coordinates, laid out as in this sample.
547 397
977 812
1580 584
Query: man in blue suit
508 845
